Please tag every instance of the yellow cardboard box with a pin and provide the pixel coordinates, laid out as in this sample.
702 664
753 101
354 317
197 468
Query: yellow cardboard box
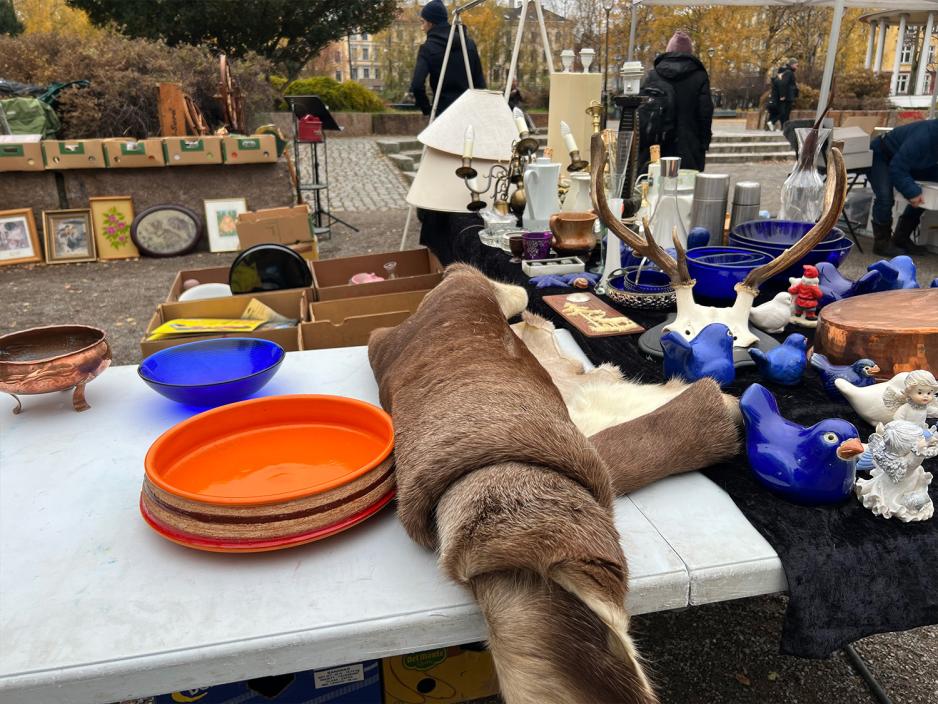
443 676
74 154
249 150
186 151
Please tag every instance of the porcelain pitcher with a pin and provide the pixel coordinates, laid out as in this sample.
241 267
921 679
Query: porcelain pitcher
540 187
578 198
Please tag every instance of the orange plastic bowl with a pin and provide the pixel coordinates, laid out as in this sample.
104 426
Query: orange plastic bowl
270 450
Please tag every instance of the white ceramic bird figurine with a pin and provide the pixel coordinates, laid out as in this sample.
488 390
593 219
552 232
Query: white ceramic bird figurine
867 401
772 316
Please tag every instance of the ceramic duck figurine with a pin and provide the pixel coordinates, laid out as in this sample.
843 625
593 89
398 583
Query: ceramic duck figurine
934 283
806 465
899 272
786 363
861 373
772 316
835 286
898 484
710 353
867 401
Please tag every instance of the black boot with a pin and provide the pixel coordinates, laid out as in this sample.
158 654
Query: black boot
903 235
882 241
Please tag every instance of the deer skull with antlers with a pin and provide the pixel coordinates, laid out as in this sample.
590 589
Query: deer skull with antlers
691 316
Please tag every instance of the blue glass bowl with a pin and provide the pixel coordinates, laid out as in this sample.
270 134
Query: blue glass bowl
646 281
782 233
211 373
718 269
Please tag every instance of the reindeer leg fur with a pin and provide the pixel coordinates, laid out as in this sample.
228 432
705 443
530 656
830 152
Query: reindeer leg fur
551 589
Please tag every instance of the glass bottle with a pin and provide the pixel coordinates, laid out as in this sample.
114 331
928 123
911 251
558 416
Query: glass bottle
667 214
803 191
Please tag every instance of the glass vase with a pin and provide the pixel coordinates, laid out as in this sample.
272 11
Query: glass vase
666 218
803 191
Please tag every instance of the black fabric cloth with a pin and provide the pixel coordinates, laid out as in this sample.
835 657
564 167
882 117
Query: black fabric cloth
430 64
850 574
694 109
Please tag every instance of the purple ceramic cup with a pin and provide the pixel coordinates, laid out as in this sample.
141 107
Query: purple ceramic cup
536 245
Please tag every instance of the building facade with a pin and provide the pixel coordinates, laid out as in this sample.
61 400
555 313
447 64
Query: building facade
904 45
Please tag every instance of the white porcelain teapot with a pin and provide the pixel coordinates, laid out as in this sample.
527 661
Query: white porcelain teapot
540 188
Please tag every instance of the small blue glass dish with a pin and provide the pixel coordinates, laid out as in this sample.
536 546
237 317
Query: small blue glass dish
717 270
212 373
645 289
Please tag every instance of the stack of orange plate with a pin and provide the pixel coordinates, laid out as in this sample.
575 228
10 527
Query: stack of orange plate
269 473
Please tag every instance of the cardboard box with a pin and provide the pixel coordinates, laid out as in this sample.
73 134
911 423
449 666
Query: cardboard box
443 676
186 151
73 154
348 322
208 275
280 225
21 152
855 139
249 150
293 304
130 154
357 683
417 270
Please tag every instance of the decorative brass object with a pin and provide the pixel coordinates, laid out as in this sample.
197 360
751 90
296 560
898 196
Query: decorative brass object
576 163
503 177
595 111
53 358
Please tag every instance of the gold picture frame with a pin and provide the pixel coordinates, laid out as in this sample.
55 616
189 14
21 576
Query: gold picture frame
19 241
68 236
111 217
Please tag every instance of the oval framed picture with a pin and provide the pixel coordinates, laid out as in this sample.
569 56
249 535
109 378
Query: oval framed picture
166 231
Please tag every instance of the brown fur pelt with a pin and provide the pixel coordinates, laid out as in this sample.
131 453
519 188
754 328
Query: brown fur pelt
492 472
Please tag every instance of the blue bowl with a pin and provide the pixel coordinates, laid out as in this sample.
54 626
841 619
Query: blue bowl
782 233
718 269
647 281
212 372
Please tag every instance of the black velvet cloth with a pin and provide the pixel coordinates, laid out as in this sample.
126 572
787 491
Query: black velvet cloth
850 574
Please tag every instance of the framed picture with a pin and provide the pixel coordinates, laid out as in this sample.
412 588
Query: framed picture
68 236
111 217
221 217
166 230
19 242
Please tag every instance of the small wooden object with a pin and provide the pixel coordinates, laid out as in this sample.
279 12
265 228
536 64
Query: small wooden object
896 329
591 316
172 105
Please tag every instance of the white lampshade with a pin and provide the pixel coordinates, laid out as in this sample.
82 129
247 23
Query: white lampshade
493 127
437 187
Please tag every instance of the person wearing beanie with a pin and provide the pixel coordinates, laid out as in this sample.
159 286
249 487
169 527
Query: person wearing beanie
787 91
679 101
454 81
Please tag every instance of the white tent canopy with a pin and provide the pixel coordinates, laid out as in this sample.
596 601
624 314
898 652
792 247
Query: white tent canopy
838 5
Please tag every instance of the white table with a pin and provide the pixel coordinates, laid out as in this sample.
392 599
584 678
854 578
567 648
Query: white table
95 607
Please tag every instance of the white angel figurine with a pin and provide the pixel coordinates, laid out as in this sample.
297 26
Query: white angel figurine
916 402
898 484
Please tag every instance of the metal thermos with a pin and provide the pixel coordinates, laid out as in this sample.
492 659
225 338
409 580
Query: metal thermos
709 207
747 196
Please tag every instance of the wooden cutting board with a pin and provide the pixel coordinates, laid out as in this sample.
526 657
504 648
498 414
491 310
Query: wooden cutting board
591 316
896 329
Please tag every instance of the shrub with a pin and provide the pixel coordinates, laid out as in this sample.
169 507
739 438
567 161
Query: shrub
348 95
124 75
807 98
279 83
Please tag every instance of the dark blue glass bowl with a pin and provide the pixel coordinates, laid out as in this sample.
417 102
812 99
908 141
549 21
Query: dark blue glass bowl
782 233
717 270
211 373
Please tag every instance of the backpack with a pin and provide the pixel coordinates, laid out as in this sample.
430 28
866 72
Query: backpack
657 115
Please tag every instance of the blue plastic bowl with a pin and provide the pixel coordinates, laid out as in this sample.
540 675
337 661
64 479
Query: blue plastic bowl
212 372
718 269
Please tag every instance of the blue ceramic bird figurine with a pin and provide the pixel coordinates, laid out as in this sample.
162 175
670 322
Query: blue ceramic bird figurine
710 353
786 363
806 465
836 286
898 272
934 283
860 373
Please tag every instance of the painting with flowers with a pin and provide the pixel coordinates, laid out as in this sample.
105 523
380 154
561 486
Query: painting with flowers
112 217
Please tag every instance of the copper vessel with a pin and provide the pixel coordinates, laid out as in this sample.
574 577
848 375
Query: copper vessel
53 358
573 232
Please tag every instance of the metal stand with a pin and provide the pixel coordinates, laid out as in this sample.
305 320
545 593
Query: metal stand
853 182
859 665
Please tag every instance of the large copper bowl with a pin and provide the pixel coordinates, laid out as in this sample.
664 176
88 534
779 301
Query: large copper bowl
54 358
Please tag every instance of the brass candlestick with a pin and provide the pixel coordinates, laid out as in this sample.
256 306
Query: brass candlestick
576 163
595 111
502 176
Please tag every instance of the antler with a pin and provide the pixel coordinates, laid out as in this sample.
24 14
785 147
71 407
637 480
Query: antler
644 246
834 196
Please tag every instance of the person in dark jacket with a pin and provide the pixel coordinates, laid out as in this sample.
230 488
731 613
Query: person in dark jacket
693 112
787 91
773 106
430 61
901 157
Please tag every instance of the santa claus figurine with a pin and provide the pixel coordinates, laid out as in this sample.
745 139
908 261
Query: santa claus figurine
806 294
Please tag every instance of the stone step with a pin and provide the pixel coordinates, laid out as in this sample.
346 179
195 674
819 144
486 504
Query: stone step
393 146
402 161
409 176
748 157
749 147
719 137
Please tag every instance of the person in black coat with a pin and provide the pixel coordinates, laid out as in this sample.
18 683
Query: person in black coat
693 109
787 91
430 61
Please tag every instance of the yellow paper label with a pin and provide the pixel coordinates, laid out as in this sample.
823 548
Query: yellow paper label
194 326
